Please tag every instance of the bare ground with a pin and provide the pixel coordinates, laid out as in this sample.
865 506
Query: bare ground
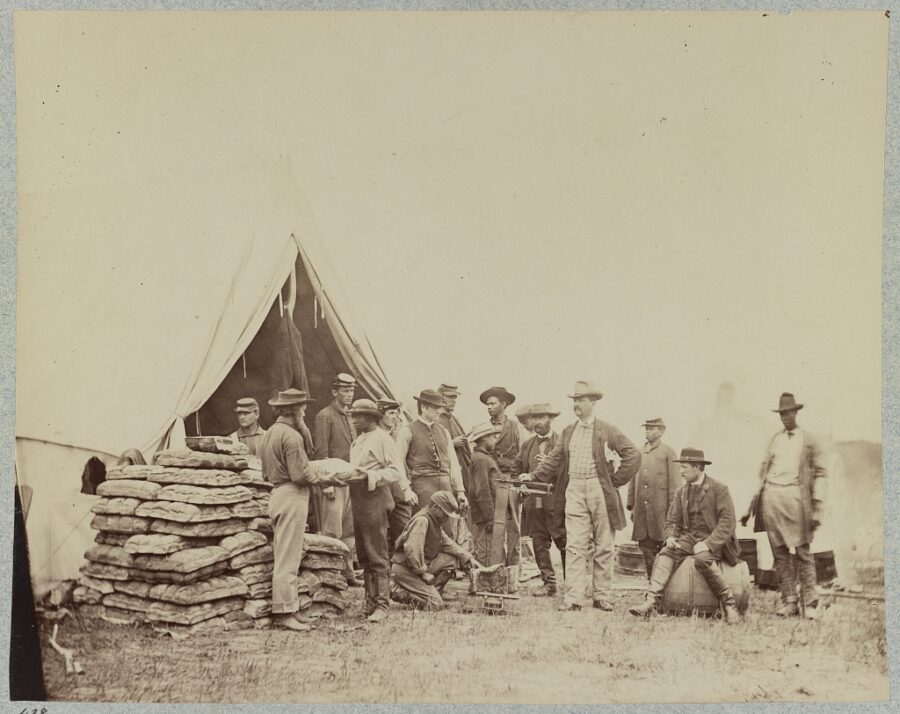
538 656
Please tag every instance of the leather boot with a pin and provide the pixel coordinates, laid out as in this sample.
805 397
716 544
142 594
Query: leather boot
380 598
788 608
371 592
729 607
662 571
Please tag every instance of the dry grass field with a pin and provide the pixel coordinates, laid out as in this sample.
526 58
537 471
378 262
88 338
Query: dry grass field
538 656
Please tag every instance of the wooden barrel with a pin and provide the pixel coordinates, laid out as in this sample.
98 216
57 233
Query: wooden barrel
826 570
748 554
630 559
687 591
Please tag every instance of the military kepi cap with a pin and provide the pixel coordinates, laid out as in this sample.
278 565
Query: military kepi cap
450 390
344 380
655 421
246 404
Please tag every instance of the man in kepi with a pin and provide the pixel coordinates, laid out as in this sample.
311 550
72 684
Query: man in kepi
651 491
284 464
789 506
426 556
249 432
451 423
334 432
587 492
700 523
482 489
374 453
542 527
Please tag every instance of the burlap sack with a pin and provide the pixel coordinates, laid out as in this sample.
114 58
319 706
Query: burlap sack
258 608
158 543
322 561
168 576
332 597
242 542
260 591
123 601
247 509
261 554
128 488
159 611
215 588
209 529
182 561
186 458
120 524
116 506
182 512
218 478
216 445
333 579
315 543
110 554
261 524
320 610
262 623
256 573
204 495
308 581
134 472
86 596
135 588
332 472
103 586
109 538
120 616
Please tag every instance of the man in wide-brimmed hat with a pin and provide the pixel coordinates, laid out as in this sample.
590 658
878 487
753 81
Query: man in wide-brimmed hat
651 491
523 416
511 436
699 524
249 432
425 450
401 492
538 510
482 488
285 465
789 505
451 423
587 495
426 556
374 452
334 432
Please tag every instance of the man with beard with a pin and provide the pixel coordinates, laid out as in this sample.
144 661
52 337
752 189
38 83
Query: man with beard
542 527
587 493
651 491
284 464
402 495
497 399
789 506
426 557
334 433
374 453
700 524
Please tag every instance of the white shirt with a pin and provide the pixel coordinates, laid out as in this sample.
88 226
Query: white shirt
787 450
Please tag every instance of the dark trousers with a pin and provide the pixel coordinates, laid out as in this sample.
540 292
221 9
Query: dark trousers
397 520
370 526
539 521
650 548
669 559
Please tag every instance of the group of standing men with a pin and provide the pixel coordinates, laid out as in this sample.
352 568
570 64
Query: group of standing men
425 504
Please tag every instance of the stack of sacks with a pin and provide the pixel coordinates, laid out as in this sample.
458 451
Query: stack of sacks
168 534
185 544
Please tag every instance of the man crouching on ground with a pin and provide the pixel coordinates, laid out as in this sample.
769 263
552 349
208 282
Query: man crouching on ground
425 556
700 523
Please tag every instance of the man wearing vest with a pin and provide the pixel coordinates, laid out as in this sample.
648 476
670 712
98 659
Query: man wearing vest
587 492
425 449
497 399
789 505
284 464
401 492
249 432
651 492
334 433
538 509
426 557
700 524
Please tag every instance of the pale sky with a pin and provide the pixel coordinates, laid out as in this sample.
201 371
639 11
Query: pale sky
657 202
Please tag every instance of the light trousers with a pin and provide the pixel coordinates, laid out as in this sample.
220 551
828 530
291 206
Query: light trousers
288 508
586 520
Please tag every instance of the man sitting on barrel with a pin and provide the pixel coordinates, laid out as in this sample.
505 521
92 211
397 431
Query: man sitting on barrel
701 523
425 557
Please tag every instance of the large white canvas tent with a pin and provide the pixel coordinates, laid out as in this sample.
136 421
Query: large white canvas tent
132 315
